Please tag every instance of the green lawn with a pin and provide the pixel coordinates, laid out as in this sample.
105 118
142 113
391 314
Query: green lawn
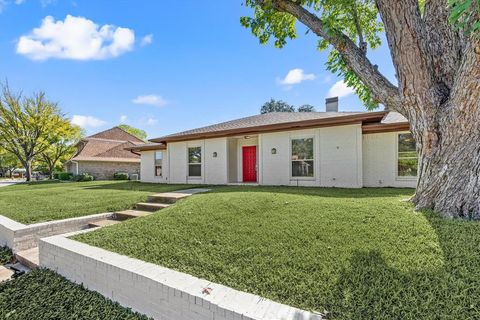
44 295
353 254
46 201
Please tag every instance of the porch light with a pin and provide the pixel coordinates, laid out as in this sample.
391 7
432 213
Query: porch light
274 151
214 154
247 137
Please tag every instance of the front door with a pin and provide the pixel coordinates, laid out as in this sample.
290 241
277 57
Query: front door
249 164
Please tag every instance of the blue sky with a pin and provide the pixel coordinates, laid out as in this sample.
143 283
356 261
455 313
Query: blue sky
162 66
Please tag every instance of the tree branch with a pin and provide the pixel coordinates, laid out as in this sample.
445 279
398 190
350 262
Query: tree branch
382 90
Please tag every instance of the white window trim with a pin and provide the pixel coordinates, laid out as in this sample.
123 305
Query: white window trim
398 177
314 177
201 163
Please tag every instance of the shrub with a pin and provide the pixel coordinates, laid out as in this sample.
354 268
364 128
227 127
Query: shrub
5 255
83 177
120 176
64 176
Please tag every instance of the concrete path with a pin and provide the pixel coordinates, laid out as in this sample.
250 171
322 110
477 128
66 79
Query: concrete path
8 183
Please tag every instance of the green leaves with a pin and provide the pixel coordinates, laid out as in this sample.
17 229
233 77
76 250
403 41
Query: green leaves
465 15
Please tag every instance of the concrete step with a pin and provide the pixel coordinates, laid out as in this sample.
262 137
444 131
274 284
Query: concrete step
5 274
29 258
103 223
167 197
129 214
147 206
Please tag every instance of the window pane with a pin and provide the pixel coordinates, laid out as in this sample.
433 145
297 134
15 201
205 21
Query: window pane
158 171
407 156
194 170
407 167
158 158
406 143
302 168
302 149
195 155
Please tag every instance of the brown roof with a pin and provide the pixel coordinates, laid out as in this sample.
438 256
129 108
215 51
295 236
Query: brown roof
392 121
109 145
148 146
278 121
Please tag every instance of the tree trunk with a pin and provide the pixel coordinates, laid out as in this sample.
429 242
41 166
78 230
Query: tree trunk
28 170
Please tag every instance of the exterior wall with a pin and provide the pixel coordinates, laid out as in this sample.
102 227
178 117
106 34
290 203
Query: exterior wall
156 291
337 157
147 167
344 158
104 170
380 162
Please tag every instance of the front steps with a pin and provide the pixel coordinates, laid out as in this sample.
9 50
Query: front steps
30 258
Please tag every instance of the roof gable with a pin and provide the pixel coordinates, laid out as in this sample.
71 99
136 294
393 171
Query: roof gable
116 133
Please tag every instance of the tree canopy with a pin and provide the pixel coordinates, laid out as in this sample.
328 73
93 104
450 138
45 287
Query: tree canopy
139 133
282 106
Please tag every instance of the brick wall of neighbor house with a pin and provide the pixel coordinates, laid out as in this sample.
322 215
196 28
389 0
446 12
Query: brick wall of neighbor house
106 170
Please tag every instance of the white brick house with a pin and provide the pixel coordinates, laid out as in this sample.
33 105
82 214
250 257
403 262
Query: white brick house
325 149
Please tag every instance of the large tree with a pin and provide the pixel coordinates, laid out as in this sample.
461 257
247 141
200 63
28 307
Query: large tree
8 162
62 146
28 125
435 49
139 133
276 106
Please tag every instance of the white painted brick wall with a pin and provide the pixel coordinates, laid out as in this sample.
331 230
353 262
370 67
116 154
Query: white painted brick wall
156 291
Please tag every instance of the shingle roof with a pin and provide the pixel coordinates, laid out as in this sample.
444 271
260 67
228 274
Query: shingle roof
108 145
282 121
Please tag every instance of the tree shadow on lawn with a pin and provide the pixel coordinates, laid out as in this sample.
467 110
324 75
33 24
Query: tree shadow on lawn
369 288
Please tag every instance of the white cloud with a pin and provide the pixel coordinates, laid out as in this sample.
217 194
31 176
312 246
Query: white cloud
150 99
340 89
123 118
87 121
19 1
148 39
75 38
3 5
295 76
151 121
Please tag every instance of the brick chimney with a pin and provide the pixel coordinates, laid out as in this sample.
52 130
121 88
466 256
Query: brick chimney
331 104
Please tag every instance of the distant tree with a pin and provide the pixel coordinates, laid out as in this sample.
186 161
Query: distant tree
276 106
139 133
28 125
62 147
306 108
8 162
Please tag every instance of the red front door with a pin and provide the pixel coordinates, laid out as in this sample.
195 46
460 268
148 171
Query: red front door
249 164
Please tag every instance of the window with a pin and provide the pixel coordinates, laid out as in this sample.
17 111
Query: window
302 157
407 156
158 163
195 162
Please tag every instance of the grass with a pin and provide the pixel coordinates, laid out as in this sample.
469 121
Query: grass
349 254
44 295
46 201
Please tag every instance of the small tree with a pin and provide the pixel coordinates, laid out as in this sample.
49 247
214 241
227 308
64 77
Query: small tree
306 108
62 147
28 125
276 106
139 133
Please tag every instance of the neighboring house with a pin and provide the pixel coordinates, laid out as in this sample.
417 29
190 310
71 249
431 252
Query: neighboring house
103 154
327 149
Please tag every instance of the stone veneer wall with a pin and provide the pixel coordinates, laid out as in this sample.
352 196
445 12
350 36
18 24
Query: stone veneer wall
106 170
156 291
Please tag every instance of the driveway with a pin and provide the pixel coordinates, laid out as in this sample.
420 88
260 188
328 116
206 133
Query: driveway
8 183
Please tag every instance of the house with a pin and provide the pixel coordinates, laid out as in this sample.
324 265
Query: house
326 149
104 154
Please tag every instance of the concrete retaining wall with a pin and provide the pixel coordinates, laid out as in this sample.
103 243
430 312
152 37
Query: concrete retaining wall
20 237
156 291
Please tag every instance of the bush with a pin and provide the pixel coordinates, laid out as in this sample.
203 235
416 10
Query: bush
64 176
120 176
6 255
83 177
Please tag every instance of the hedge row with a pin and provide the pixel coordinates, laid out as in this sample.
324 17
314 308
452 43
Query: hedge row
44 295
